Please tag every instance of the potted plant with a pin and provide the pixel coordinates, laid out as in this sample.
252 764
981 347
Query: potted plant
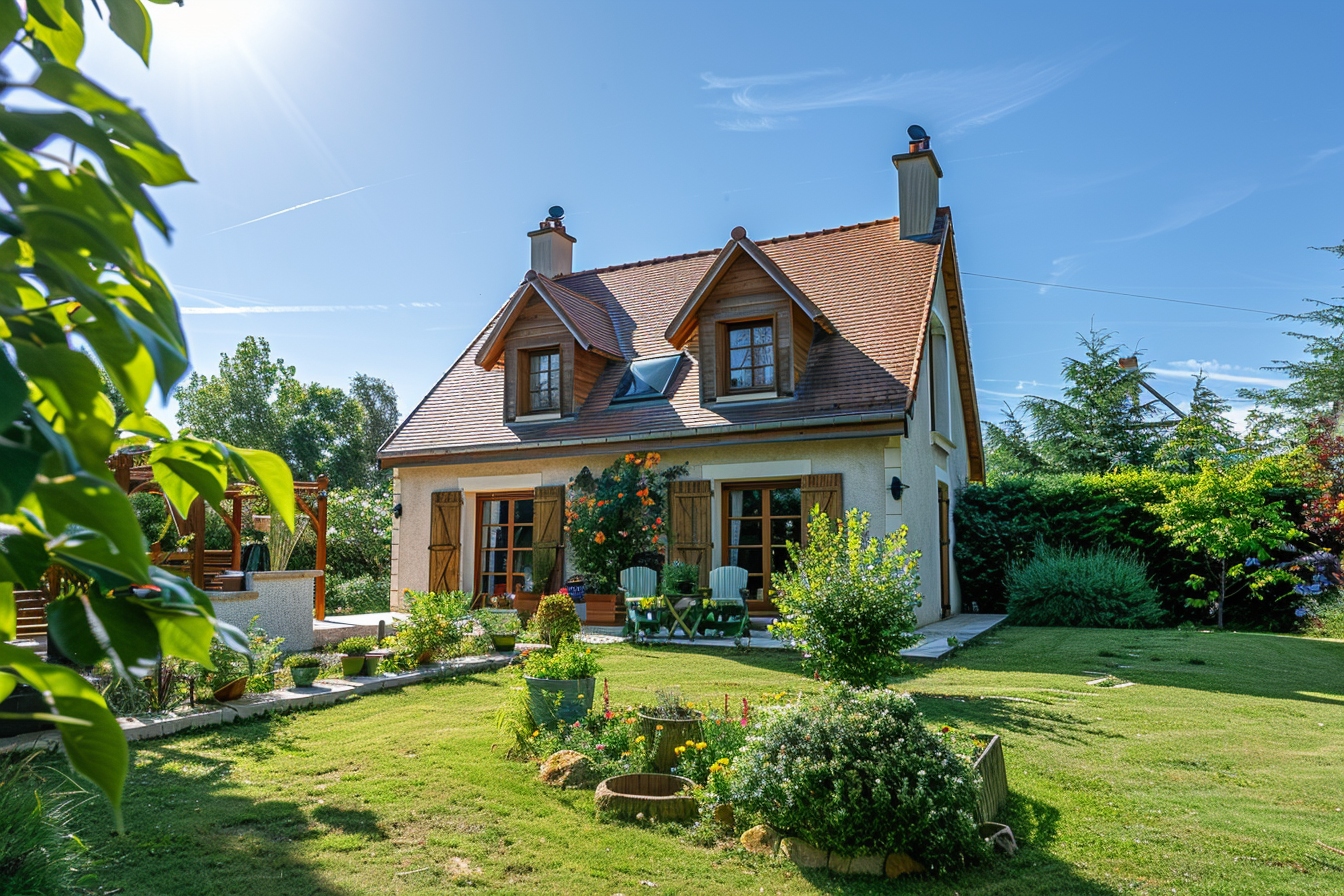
502 627
353 652
680 577
432 624
668 724
560 682
304 668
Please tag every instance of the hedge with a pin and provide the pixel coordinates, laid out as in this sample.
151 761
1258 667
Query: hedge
999 524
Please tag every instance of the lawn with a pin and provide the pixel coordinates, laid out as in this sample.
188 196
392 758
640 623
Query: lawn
1216 772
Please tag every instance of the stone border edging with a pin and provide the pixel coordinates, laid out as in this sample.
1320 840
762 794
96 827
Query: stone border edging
324 692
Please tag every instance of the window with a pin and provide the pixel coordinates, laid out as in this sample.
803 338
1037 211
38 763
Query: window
506 543
647 378
543 381
760 520
940 411
751 356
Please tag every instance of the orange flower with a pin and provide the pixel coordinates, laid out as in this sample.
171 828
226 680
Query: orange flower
600 537
629 458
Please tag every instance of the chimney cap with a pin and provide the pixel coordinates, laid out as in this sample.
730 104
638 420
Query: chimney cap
917 133
555 213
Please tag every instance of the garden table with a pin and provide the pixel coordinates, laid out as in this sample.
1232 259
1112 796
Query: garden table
688 618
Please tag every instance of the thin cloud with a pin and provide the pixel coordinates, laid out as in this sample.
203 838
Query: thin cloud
1196 208
953 100
1059 269
1215 376
1321 155
302 309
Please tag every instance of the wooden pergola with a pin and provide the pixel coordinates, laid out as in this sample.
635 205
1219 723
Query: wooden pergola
203 566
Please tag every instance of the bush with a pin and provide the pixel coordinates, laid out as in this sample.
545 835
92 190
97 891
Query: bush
357 646
568 662
432 624
847 601
678 573
1097 588
303 661
857 772
556 619
362 594
38 853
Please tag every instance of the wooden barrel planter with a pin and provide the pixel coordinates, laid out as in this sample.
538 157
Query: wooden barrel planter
661 797
674 733
993 779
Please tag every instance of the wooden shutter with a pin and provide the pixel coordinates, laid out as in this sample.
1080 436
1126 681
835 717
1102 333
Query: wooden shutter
548 528
445 542
823 490
688 535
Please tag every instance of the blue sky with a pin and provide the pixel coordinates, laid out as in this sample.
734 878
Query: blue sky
1190 151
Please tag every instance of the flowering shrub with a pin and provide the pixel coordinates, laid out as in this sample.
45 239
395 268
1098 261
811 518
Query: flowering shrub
857 772
556 619
432 624
847 601
612 517
570 660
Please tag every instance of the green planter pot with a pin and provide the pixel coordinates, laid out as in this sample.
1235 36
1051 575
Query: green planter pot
504 642
352 665
304 676
372 661
674 733
554 701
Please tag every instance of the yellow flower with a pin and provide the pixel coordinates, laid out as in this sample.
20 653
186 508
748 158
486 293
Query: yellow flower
535 733
626 753
680 750
658 727
701 745
640 739
690 743
723 762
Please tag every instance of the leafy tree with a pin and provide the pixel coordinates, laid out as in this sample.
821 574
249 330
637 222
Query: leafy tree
1317 381
259 402
1324 510
73 180
1102 421
1011 452
1204 433
1227 517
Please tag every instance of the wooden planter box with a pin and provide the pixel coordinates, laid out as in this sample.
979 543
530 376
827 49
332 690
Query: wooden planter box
526 604
993 779
601 609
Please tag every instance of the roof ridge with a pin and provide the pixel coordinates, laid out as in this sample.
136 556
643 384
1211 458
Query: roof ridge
765 242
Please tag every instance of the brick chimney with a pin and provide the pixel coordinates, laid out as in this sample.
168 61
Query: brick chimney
552 248
918 173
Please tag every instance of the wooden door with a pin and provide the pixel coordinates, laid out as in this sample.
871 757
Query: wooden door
688 532
445 542
944 550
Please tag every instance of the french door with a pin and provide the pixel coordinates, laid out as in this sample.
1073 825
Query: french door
760 519
505 555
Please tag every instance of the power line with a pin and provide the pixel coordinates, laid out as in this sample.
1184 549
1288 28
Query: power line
1133 295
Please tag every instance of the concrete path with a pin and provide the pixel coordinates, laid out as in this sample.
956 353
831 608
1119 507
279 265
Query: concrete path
610 634
963 627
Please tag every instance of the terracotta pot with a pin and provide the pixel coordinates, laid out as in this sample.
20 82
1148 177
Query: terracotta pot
352 665
232 690
674 733
304 676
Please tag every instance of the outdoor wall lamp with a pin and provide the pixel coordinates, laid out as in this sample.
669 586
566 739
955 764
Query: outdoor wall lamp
396 510
897 487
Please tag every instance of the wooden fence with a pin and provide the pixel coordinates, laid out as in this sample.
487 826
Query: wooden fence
993 780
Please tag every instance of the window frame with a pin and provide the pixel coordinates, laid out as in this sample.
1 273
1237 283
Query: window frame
526 374
767 550
727 330
479 571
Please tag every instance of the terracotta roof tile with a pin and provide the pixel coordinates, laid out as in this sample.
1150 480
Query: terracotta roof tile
872 286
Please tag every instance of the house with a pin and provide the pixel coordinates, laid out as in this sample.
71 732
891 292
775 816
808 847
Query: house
831 367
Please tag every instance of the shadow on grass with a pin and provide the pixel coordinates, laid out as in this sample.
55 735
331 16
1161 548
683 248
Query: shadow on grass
769 659
1000 715
188 832
1270 666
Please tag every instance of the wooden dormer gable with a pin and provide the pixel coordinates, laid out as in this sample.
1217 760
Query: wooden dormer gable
545 319
741 286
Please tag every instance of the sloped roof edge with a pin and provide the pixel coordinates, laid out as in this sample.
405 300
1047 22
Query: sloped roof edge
603 343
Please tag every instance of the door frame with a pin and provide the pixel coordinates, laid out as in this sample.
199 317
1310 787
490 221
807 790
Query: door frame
725 519
945 548
478 542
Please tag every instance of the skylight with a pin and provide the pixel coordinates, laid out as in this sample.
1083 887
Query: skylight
647 378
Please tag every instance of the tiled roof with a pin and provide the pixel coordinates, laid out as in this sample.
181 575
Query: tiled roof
873 287
592 319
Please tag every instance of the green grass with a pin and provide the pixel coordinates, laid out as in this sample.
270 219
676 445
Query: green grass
1212 778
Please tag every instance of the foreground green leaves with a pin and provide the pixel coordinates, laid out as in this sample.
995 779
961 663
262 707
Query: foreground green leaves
73 274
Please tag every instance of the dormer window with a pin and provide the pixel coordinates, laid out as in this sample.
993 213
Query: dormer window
543 381
751 357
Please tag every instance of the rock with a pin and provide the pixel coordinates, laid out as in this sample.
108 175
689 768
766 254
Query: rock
803 854
873 865
762 840
567 768
723 814
899 863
